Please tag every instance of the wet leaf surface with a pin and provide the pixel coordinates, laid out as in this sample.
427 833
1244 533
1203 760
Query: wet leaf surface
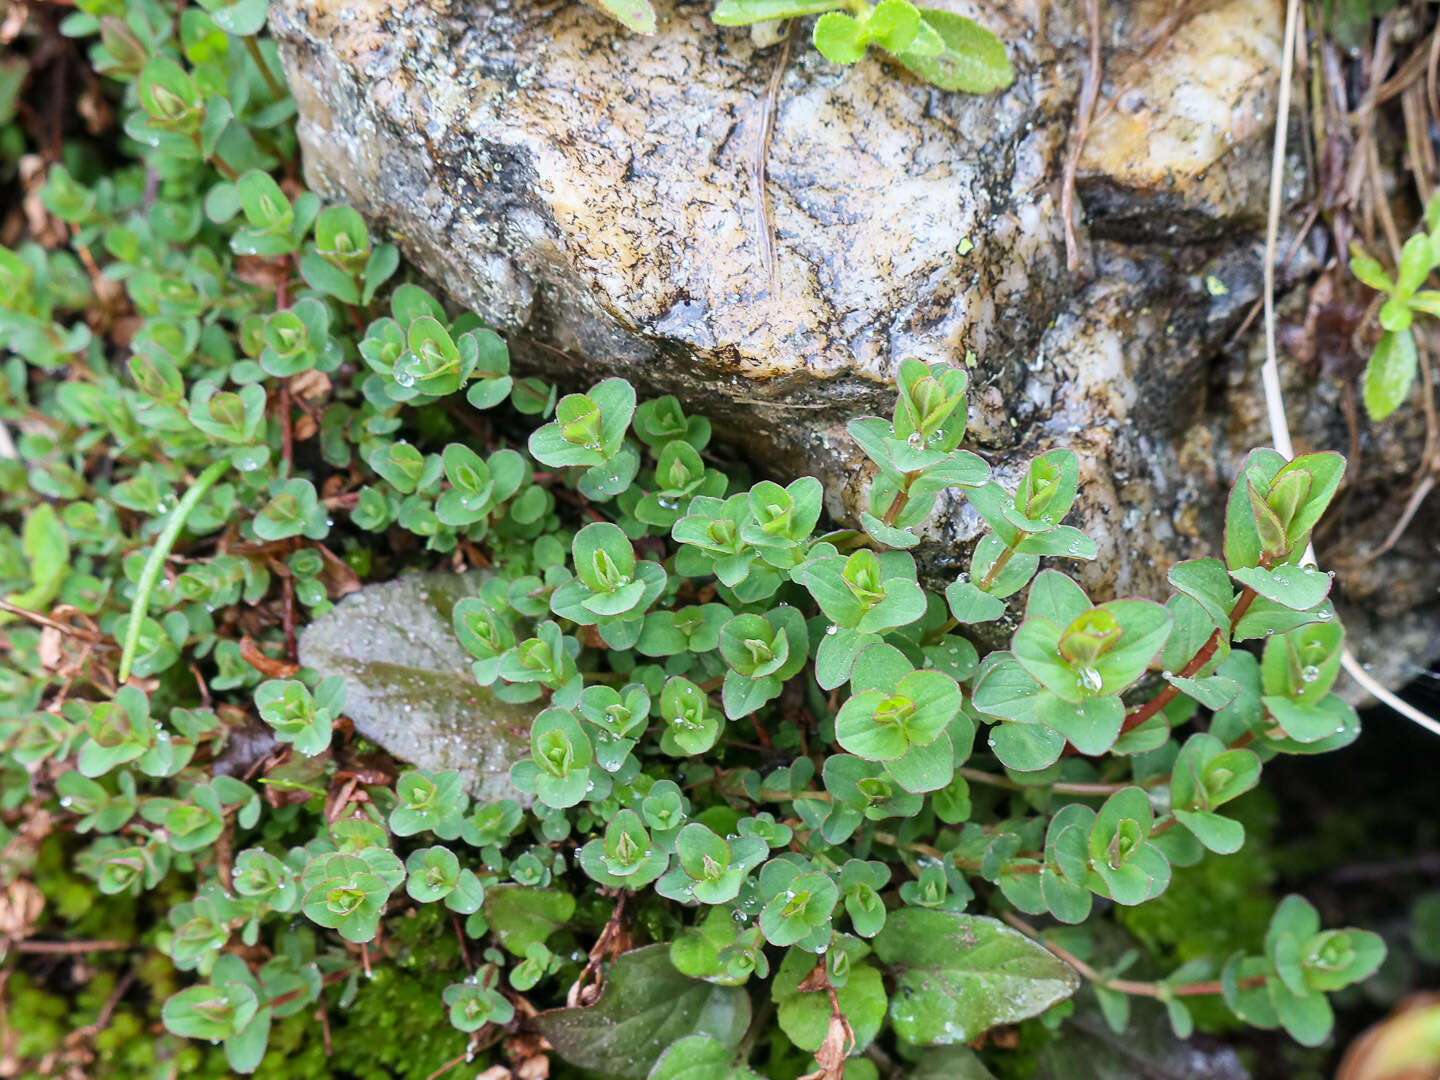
409 684
646 1006
957 976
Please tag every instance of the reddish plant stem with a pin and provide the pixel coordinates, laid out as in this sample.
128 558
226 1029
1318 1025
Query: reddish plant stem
460 937
999 564
285 998
287 616
45 620
69 947
902 499
761 733
1141 713
1198 989
287 426
1164 827
1126 986
277 89
451 1064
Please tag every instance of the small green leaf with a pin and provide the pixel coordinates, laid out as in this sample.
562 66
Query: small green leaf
699 1057
892 25
839 37
522 916
241 19
973 59
1299 588
1390 373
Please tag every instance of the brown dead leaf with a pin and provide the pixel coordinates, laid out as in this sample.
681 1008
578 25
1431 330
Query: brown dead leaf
614 939
815 979
495 1072
268 666
1005 1038
267 549
839 1041
338 577
124 329
333 486
12 231
45 230
14 21
529 1056
99 117
248 743
473 555
20 908
311 385
50 651
36 825
267 273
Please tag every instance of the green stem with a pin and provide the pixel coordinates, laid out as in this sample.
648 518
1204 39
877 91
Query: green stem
936 635
1060 787
1193 667
223 167
1000 563
277 89
158 554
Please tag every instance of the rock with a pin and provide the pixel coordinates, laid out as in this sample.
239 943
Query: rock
593 193
409 685
1185 153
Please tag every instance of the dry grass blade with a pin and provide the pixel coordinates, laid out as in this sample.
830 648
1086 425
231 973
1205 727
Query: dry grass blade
1089 94
1270 373
764 219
